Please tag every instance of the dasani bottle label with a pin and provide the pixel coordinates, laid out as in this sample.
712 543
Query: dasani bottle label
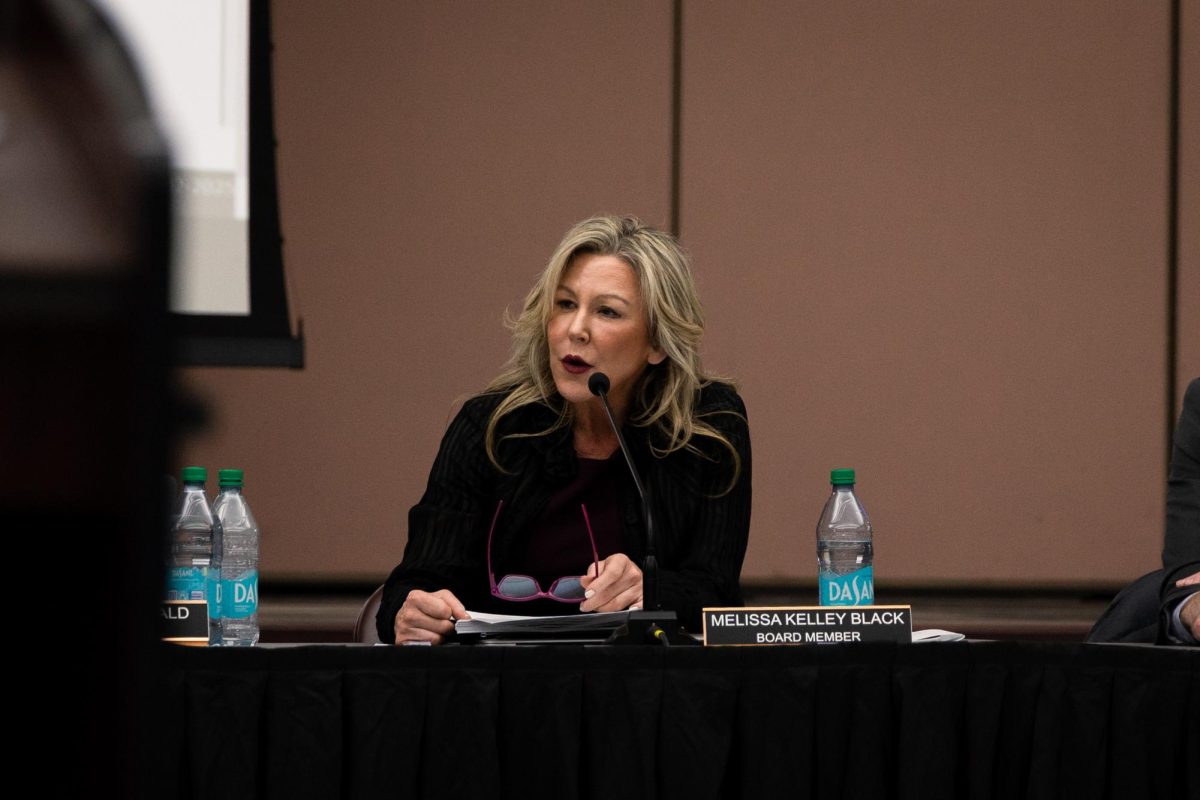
187 583
852 589
241 595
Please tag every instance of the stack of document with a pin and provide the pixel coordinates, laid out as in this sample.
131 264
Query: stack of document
582 626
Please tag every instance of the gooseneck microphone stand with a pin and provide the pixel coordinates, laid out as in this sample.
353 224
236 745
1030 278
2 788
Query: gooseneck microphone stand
651 624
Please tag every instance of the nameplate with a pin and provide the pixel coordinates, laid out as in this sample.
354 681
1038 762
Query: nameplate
185 621
807 625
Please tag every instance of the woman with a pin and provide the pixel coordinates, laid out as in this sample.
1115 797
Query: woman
530 508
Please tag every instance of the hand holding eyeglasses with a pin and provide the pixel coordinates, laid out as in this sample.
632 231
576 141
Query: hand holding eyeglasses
427 616
618 585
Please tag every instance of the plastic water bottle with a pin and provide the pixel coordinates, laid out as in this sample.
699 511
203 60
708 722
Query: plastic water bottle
844 547
239 561
193 568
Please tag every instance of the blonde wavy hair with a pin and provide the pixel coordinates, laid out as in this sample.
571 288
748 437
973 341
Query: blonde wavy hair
664 399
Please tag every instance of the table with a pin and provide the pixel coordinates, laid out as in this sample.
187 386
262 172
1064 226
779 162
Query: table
967 719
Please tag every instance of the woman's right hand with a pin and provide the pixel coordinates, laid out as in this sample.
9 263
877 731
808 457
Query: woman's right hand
428 616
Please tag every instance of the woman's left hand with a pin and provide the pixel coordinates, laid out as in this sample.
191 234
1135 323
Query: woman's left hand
618 585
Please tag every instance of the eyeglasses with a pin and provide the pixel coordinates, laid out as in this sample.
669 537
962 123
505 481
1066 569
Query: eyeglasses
521 588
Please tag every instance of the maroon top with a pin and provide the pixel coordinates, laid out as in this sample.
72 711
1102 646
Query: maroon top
557 544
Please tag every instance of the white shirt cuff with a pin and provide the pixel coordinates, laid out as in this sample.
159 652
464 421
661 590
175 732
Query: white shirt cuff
1179 632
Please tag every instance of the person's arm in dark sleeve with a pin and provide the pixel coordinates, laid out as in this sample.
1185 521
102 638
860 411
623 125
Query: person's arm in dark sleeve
444 549
709 569
1181 545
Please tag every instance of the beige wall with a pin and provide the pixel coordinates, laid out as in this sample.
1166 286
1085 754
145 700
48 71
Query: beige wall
930 237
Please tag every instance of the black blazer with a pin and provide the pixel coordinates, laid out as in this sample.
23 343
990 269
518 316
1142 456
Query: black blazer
701 528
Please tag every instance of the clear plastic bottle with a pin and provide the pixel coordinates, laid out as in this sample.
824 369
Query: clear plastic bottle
845 550
239 561
193 565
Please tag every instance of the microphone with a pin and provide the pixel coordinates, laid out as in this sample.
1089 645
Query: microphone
599 384
645 626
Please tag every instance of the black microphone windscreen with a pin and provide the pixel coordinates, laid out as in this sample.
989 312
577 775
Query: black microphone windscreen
598 383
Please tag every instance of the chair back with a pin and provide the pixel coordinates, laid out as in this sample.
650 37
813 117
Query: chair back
364 626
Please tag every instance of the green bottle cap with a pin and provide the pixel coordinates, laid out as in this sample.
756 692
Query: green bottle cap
841 477
230 477
194 475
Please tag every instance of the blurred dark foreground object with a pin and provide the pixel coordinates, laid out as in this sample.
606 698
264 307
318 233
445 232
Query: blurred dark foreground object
84 252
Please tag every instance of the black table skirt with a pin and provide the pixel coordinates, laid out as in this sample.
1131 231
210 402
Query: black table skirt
963 720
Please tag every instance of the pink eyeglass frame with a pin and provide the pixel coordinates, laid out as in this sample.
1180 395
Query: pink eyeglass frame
540 594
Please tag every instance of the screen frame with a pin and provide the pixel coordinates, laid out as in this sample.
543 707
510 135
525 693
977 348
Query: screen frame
264 337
